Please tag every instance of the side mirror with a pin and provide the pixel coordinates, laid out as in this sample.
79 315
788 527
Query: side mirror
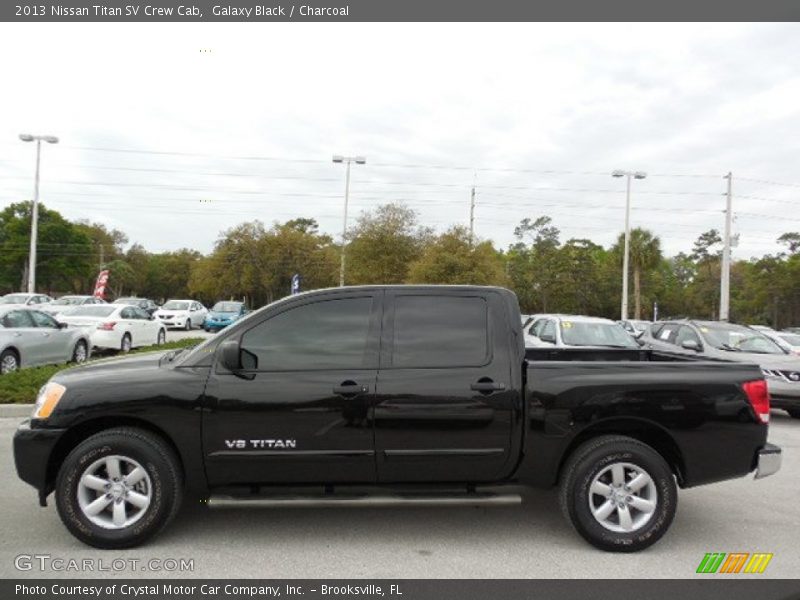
638 333
230 355
691 345
63 325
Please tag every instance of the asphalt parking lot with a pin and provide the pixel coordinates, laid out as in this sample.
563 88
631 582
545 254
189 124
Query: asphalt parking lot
526 541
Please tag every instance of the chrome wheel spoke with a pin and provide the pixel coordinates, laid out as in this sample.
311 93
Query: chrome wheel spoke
138 500
97 506
638 482
600 488
625 520
642 504
618 474
135 476
120 514
112 466
602 513
93 482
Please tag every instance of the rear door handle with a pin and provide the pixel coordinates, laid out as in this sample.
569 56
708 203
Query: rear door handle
487 386
350 389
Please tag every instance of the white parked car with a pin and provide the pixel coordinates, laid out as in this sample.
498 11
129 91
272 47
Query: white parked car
577 331
23 299
785 339
116 326
67 303
30 337
182 314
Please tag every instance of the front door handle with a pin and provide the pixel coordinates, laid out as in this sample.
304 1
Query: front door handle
350 389
487 386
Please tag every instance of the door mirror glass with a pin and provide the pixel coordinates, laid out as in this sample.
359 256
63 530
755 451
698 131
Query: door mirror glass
230 355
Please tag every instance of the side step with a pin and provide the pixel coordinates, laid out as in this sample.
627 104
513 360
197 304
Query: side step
369 501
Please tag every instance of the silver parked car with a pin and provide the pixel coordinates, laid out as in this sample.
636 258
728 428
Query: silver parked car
575 331
727 341
30 338
24 299
66 303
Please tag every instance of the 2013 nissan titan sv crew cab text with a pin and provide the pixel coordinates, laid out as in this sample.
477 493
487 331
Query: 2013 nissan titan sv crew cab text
390 395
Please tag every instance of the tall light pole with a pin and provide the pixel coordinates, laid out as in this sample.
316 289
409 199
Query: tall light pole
725 276
50 139
359 160
625 260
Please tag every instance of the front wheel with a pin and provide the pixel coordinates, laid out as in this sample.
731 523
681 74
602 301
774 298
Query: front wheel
162 337
794 412
188 324
618 493
118 488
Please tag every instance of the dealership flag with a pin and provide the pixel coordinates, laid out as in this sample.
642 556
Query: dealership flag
296 283
100 284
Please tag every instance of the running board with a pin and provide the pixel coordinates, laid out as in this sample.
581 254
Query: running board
369 501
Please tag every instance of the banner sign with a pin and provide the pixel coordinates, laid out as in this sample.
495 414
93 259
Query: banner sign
101 284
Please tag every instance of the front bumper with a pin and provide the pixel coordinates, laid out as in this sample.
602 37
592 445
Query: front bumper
768 461
32 450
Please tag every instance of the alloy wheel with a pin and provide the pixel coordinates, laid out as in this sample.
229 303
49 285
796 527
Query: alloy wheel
114 492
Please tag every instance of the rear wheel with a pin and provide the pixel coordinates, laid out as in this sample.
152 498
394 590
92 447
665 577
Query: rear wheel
126 344
118 488
162 337
81 352
9 362
618 493
794 412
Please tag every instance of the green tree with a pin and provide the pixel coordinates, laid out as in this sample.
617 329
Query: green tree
383 244
645 256
450 258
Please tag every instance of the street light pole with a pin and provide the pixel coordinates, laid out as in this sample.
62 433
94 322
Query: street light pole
359 160
50 139
725 276
626 256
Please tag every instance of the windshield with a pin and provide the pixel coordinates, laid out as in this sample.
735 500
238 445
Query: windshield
68 301
92 311
14 299
790 338
227 307
735 338
128 301
589 333
176 305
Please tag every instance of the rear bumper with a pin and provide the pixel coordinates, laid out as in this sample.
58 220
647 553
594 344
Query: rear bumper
32 450
768 461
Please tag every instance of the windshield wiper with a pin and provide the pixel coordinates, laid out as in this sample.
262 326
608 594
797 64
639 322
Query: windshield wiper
729 348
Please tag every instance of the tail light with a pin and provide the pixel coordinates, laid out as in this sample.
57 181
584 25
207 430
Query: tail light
109 326
758 396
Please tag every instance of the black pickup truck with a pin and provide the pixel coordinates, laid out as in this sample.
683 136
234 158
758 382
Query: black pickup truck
390 395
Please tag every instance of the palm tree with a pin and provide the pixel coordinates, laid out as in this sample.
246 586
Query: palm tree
645 255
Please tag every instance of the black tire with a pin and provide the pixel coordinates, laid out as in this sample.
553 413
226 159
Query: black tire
593 458
161 465
76 352
161 338
124 347
188 326
794 412
9 361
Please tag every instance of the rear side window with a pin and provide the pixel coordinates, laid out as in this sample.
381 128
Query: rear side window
333 334
17 318
440 331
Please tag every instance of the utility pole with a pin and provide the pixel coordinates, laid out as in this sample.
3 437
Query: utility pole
472 217
359 160
50 139
626 256
102 256
725 276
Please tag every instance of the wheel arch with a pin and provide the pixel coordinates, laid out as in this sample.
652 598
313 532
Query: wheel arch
16 351
644 431
78 433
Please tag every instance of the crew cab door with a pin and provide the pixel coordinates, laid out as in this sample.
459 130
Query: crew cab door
445 397
299 412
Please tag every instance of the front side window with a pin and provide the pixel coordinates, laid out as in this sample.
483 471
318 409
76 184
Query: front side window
686 334
440 331
332 334
548 331
43 320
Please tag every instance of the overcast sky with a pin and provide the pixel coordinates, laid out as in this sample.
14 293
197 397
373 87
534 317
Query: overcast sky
172 144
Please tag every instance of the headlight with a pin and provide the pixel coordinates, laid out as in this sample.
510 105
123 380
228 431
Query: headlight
47 399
